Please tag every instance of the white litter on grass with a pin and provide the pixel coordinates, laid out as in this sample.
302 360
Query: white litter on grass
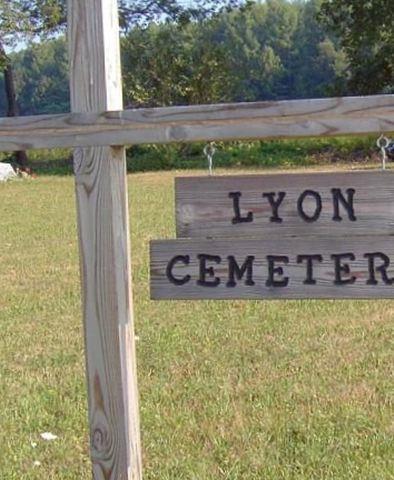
48 436
33 444
6 172
36 463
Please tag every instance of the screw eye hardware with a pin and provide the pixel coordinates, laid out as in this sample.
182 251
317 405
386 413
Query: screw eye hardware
382 142
209 152
386 147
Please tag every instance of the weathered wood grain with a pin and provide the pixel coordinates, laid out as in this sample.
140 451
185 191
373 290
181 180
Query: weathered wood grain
162 252
104 245
204 207
242 121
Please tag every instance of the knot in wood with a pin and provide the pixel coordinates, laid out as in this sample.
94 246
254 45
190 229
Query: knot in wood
100 440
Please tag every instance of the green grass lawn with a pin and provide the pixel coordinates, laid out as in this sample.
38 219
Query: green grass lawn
229 390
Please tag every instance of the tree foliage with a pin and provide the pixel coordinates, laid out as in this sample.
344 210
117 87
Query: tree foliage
366 31
143 12
42 78
273 50
25 19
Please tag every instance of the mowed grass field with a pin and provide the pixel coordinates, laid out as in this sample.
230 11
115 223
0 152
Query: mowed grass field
228 390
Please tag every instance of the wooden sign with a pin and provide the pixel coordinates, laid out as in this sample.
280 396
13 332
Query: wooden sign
285 205
277 268
323 235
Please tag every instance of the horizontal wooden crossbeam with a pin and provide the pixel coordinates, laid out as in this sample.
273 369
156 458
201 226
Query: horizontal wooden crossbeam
223 122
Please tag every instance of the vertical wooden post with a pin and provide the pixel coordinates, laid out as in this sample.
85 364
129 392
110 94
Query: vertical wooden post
101 192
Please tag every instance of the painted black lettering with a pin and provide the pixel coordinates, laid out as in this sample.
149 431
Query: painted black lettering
273 271
309 259
238 218
208 271
382 268
318 209
235 271
185 259
275 204
343 268
347 204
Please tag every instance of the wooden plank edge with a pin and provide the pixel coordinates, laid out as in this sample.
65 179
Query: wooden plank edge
222 122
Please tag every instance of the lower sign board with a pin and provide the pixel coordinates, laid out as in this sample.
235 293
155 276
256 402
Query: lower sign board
332 267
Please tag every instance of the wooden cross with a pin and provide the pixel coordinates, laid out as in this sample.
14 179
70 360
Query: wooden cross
99 129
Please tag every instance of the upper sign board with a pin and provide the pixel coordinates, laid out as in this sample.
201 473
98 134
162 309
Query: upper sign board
286 205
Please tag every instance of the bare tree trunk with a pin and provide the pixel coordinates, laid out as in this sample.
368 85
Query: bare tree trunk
12 105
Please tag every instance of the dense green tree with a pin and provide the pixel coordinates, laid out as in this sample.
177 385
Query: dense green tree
366 31
275 23
317 65
250 66
42 78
